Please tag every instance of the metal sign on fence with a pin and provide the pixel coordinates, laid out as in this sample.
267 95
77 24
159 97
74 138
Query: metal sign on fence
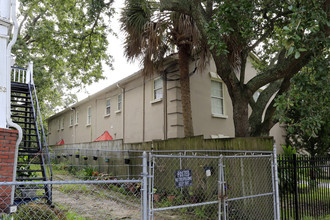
183 178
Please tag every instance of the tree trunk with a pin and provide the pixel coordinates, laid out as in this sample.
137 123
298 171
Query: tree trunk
241 119
184 56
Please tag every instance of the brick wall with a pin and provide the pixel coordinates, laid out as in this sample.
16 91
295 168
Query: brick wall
7 154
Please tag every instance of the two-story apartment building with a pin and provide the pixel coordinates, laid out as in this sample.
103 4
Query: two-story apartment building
141 108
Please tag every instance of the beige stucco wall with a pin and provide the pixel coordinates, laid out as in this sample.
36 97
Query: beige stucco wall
133 112
81 132
111 123
278 132
174 110
154 113
141 119
250 71
203 121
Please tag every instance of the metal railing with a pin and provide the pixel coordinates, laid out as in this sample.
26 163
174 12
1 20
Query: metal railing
39 125
22 75
304 184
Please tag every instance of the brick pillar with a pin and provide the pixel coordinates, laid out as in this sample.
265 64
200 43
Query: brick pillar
8 139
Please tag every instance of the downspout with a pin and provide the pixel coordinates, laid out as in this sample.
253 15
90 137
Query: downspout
144 109
95 115
10 123
73 112
165 109
123 107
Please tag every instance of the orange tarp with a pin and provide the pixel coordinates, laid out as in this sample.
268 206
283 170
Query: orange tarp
61 142
104 137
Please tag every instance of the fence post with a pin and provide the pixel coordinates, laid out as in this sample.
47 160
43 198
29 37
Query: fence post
145 187
277 196
295 186
221 190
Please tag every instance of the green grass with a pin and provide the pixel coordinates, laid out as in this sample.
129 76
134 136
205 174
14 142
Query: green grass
327 217
319 194
74 188
69 215
74 216
60 169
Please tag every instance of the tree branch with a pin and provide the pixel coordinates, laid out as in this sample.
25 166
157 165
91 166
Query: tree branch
269 31
34 22
243 67
258 107
181 6
21 24
264 96
287 68
269 122
90 37
261 39
209 10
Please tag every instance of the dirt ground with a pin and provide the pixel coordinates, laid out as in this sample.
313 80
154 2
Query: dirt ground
100 204
95 208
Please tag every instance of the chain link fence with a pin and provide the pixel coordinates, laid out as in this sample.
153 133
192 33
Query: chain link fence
84 185
96 164
188 184
92 184
248 187
100 199
200 185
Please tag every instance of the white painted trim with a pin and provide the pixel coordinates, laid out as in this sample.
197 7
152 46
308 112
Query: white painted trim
106 107
4 36
87 122
156 100
223 97
219 116
153 90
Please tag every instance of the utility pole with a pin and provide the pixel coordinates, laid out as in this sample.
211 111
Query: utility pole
5 31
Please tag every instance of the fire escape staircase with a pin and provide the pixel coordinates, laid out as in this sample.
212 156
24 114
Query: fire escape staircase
33 163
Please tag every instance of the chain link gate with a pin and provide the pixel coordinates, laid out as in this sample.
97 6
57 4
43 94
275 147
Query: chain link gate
247 187
241 186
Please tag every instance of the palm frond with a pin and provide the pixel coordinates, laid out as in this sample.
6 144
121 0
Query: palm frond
151 35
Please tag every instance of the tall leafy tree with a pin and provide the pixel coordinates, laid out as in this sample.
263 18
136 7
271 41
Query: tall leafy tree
284 34
67 41
305 108
151 35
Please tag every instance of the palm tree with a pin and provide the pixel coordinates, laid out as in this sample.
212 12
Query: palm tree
151 35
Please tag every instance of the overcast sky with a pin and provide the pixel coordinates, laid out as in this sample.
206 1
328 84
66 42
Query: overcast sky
121 67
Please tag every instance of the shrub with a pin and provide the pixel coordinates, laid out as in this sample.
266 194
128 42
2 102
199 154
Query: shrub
88 173
34 211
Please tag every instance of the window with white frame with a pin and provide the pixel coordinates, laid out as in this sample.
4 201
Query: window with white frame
77 117
89 115
62 123
119 102
158 89
59 124
217 100
107 107
217 96
71 120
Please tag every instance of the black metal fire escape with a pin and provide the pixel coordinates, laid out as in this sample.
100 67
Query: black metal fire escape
33 162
